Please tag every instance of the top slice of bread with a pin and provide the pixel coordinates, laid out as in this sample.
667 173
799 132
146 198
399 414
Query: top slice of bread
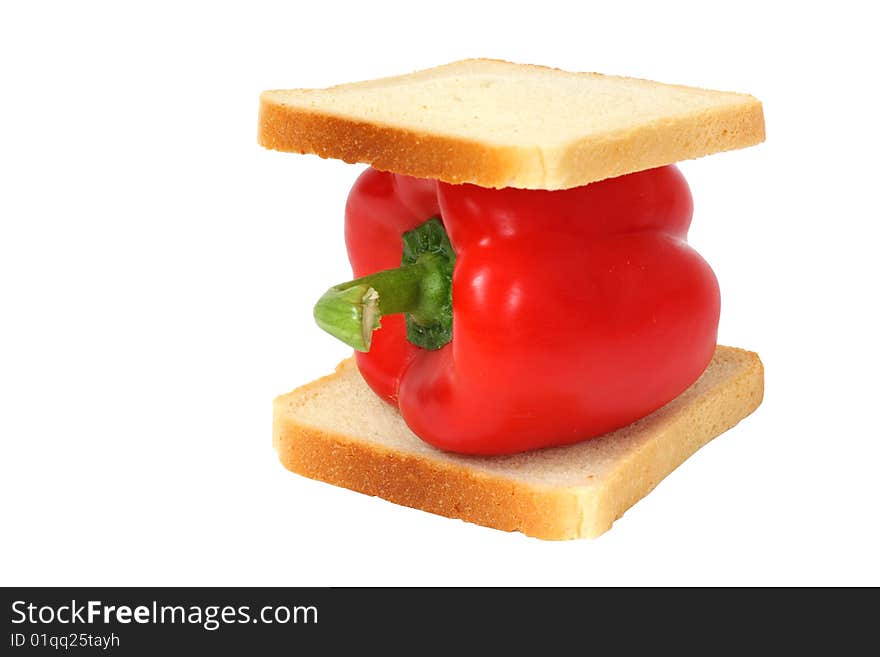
497 124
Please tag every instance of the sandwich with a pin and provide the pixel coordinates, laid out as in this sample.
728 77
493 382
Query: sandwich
535 342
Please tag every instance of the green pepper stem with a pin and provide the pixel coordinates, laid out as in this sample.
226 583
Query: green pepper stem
351 311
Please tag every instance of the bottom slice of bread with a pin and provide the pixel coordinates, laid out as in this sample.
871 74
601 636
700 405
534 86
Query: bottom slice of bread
336 430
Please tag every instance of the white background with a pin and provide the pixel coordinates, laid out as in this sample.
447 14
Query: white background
158 268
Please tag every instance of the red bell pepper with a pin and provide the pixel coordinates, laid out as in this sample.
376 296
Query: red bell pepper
571 312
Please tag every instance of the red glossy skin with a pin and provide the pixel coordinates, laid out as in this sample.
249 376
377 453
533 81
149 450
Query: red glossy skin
575 312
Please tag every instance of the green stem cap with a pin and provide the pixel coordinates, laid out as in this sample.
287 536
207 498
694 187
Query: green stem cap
421 288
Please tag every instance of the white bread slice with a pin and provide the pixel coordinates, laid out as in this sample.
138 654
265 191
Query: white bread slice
497 124
337 430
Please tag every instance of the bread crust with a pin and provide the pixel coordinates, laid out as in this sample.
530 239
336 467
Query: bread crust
387 148
453 159
427 480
